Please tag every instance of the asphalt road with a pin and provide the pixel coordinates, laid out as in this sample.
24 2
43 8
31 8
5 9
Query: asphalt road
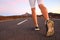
23 29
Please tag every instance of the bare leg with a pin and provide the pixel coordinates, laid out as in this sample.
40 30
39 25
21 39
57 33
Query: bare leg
50 23
44 11
34 16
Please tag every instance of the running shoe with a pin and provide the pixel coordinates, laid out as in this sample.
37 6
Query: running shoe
49 28
37 28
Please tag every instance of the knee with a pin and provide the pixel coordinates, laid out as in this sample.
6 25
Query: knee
32 9
41 6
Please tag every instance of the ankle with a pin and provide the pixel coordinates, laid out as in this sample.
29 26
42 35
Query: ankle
37 26
47 19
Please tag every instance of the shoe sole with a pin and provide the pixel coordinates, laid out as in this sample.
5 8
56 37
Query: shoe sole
50 24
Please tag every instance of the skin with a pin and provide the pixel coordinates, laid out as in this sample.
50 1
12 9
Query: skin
44 12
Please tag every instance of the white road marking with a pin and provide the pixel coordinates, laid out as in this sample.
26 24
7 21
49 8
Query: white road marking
22 21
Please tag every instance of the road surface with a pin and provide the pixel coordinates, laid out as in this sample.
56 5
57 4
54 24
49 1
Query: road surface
23 29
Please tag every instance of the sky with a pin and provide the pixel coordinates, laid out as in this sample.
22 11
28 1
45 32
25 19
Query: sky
19 7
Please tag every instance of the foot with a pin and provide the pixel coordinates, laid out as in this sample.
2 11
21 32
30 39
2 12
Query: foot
50 28
37 28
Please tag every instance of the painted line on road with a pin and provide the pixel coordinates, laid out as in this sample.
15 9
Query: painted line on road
22 21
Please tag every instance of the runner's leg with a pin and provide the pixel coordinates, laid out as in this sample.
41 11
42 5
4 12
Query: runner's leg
34 16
